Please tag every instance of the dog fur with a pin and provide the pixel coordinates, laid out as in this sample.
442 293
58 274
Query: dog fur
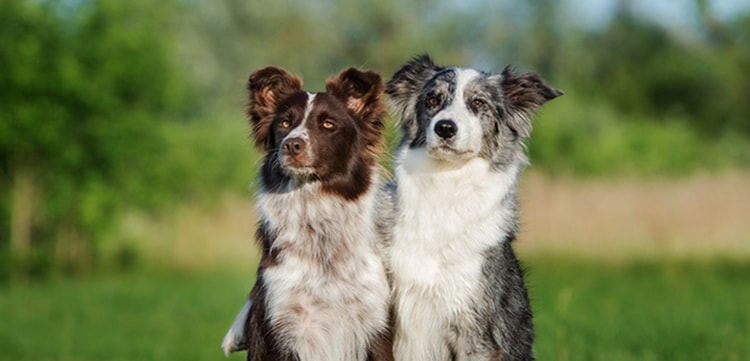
450 213
321 291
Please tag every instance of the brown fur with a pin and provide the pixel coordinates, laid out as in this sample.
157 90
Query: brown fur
312 217
267 87
362 93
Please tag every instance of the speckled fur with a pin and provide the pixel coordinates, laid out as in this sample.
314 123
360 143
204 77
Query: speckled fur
450 214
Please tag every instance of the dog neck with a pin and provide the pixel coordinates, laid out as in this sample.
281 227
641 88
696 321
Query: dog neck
308 221
471 195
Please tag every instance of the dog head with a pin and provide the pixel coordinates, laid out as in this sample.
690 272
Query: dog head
458 113
331 137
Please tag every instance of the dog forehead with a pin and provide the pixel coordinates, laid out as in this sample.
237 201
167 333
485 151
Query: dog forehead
465 76
468 81
306 104
328 102
453 80
326 105
443 81
296 101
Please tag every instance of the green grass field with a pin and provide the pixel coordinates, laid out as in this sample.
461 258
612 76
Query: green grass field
584 310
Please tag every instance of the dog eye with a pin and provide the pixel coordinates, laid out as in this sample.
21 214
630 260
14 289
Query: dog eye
432 101
327 124
477 103
285 123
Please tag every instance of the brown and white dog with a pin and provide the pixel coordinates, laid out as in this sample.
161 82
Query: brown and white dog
321 291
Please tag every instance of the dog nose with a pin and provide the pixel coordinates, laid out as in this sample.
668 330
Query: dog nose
445 128
294 146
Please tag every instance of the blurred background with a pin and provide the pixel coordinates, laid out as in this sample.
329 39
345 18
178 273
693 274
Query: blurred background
126 173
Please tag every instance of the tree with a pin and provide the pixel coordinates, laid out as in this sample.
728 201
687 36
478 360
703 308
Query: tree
84 86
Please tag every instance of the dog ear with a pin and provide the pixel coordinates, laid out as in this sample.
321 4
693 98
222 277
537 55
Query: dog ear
267 87
361 91
406 84
524 94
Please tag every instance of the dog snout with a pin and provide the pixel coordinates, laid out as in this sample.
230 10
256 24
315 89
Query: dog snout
446 128
294 146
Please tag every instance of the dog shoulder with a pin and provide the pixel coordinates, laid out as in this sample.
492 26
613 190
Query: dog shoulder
505 307
385 213
260 339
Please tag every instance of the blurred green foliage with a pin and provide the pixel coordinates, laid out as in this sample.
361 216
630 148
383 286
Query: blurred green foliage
641 97
108 106
86 88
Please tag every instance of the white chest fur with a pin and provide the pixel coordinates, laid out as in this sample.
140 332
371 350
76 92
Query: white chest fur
328 294
449 214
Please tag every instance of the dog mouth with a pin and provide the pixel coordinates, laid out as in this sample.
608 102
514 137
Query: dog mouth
449 153
297 170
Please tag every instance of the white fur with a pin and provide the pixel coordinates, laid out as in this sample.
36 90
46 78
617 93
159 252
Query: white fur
234 337
468 139
324 316
309 106
449 214
300 131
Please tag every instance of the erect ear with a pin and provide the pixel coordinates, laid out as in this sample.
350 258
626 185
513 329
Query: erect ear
361 91
406 84
524 94
267 87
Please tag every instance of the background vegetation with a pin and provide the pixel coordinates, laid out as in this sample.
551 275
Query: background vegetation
123 147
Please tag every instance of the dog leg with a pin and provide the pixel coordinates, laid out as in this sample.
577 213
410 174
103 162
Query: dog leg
234 340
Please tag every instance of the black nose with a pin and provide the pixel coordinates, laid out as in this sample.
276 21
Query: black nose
294 146
445 128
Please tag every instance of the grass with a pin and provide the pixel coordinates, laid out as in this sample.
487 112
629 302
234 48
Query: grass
584 310
641 310
140 316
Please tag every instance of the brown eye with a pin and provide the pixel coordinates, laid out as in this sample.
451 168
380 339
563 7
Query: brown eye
432 101
285 123
477 103
327 124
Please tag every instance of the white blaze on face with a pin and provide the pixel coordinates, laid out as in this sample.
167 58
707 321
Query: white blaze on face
468 139
300 131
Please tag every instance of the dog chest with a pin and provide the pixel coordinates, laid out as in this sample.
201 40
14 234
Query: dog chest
324 311
447 220
327 293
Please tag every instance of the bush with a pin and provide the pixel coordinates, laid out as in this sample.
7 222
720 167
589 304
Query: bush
587 137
